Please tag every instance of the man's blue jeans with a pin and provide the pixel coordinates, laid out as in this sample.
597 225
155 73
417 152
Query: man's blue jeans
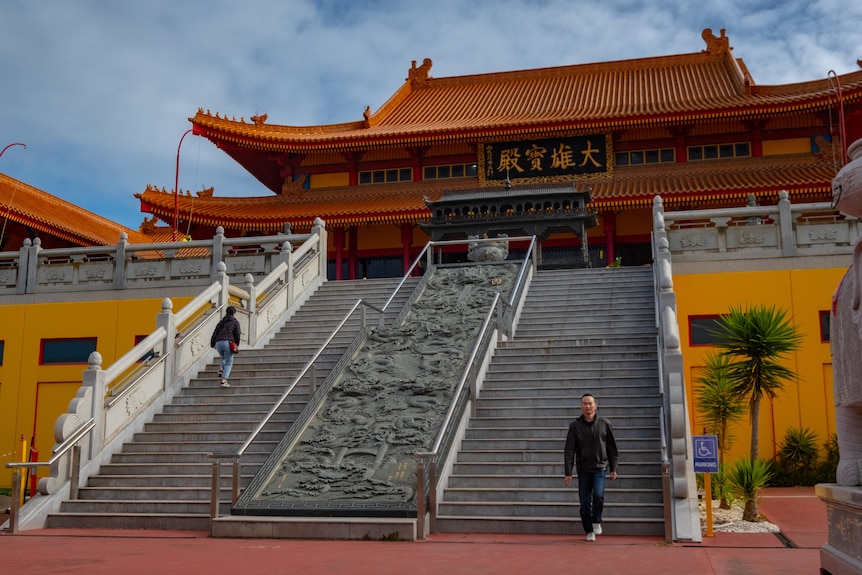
591 493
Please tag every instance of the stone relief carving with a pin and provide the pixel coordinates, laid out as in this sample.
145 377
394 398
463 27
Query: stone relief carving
54 275
751 238
145 271
693 241
390 400
134 401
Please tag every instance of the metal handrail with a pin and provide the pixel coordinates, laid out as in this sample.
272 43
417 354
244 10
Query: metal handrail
276 406
432 453
58 452
302 373
61 449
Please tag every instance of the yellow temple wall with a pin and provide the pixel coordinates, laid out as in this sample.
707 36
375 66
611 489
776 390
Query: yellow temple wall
32 396
803 293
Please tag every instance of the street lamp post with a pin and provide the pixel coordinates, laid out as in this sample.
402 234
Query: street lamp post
10 145
177 185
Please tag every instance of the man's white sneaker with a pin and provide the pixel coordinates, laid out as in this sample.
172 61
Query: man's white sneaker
597 528
591 536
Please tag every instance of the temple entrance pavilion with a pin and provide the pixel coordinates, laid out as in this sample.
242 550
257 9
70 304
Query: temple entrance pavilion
539 210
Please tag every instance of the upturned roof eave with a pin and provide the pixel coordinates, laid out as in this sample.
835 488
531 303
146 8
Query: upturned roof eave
423 136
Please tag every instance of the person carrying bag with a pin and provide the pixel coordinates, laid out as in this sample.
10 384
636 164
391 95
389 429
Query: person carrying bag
225 340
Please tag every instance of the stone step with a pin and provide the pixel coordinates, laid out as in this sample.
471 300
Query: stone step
195 447
125 520
567 495
189 491
496 390
143 506
520 481
518 444
159 469
223 437
250 457
546 426
650 464
501 452
612 509
633 526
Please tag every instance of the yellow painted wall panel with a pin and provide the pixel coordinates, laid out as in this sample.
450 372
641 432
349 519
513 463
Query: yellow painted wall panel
329 180
803 294
32 396
787 146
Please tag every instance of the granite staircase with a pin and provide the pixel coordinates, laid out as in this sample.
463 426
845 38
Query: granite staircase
162 479
580 331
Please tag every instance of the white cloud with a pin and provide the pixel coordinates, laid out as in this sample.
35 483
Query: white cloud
102 91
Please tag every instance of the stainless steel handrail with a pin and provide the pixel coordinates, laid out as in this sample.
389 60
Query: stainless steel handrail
278 403
432 454
61 449
58 452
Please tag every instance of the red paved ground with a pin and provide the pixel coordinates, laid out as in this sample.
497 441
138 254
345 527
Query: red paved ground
798 512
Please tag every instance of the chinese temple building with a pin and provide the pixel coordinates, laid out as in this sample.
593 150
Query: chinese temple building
694 128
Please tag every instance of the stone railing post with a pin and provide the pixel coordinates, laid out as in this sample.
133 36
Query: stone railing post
120 262
320 229
287 249
23 266
32 266
167 320
785 225
224 280
251 307
217 253
94 378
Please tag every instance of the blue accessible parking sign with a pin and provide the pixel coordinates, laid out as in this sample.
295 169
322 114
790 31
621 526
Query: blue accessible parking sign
705 453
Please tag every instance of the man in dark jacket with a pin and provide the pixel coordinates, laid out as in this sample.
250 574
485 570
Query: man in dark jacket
592 450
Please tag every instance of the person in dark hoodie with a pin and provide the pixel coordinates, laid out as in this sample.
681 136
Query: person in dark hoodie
226 332
592 451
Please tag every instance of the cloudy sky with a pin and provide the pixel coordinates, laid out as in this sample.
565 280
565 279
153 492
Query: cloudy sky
101 91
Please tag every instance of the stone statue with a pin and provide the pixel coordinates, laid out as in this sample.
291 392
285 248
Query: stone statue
846 331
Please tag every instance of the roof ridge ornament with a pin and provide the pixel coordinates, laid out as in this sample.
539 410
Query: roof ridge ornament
417 76
716 46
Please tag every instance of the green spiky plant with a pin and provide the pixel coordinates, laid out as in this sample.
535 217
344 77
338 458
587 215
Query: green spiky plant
719 406
756 339
748 477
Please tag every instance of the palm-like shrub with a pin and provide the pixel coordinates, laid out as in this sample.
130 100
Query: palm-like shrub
757 339
798 460
719 406
799 446
748 477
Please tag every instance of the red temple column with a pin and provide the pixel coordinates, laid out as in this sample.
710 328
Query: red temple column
609 224
406 241
351 262
338 243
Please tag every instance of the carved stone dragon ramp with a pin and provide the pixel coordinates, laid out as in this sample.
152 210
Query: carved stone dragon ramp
350 453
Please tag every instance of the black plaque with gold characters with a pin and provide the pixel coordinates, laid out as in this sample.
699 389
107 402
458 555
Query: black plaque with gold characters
561 159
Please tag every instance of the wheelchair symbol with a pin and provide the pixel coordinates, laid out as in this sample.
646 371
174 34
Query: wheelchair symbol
703 449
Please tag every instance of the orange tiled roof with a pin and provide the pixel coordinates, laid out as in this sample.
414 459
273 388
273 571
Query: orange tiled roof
810 176
601 96
706 84
49 214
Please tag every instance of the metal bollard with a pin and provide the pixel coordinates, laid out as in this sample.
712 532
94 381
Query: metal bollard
13 509
420 497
